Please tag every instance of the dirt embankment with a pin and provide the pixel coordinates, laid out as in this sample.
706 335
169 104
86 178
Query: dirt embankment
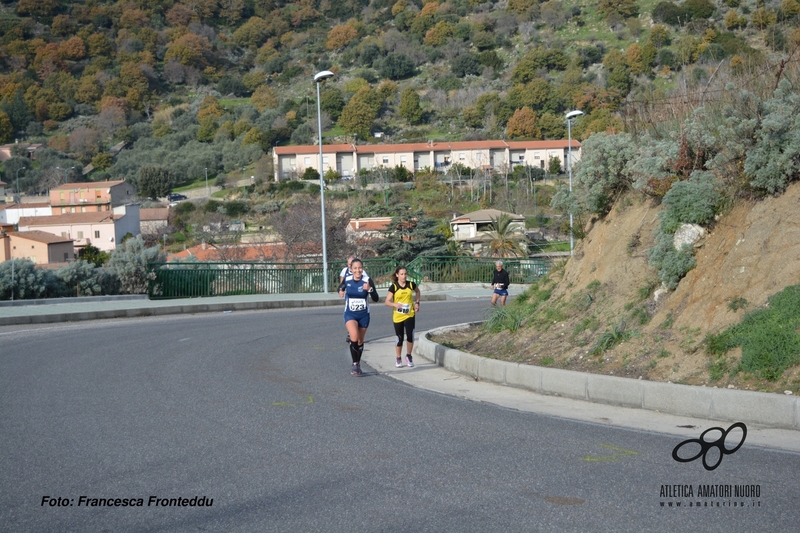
606 293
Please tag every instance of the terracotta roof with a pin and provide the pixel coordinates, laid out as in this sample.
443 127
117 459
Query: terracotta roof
370 224
425 147
41 236
3 183
155 213
485 215
88 185
103 217
268 251
313 149
25 205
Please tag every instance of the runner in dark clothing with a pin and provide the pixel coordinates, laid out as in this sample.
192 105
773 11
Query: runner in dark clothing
500 283
356 311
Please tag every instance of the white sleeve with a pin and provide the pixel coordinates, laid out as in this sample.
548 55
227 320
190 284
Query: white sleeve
365 276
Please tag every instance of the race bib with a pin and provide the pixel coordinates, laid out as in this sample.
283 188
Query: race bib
499 285
357 304
404 309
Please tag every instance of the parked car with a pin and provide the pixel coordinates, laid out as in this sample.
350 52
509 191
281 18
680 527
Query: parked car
175 197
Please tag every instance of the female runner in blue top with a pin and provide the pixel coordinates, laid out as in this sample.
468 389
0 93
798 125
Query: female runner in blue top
354 289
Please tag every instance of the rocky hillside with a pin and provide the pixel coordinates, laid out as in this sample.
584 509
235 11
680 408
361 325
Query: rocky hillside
605 296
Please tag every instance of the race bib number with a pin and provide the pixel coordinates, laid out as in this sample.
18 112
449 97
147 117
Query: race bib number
404 309
499 285
357 304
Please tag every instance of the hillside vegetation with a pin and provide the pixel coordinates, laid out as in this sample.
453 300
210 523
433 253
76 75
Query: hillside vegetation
214 84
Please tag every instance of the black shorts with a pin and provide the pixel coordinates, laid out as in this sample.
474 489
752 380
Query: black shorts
405 327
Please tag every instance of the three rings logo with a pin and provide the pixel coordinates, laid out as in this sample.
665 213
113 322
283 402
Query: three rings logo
707 446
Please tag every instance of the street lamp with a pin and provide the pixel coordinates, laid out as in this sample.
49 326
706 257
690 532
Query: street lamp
571 115
66 173
20 168
207 193
320 77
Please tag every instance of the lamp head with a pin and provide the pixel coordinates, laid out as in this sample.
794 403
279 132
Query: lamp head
322 76
574 114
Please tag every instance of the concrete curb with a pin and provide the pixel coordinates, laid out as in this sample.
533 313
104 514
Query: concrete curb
148 308
763 409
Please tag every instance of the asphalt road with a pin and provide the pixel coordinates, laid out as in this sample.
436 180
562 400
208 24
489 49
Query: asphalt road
258 411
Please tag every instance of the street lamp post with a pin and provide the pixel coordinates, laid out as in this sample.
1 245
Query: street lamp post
571 115
318 78
20 168
207 193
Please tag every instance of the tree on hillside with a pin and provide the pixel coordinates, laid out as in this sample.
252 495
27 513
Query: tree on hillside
396 66
504 239
523 124
155 181
410 235
409 106
360 112
299 228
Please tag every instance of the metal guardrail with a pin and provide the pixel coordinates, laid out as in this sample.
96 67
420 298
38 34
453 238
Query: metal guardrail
195 279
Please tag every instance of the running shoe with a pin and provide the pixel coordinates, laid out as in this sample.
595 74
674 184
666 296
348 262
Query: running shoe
409 361
398 362
358 371
355 370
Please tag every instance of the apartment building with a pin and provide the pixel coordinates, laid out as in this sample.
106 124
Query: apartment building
91 197
290 162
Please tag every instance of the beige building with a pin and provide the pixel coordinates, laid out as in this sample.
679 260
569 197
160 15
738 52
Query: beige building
102 230
37 246
472 229
154 221
91 197
290 162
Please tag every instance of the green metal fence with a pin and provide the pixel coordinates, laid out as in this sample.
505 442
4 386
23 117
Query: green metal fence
188 280
470 269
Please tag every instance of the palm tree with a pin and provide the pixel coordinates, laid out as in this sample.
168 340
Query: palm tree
504 240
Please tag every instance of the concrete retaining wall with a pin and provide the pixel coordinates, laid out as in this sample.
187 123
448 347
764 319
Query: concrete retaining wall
758 408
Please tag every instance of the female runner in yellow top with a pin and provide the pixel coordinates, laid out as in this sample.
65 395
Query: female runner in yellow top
401 298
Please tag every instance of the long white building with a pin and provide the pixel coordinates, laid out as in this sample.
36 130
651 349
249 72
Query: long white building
348 159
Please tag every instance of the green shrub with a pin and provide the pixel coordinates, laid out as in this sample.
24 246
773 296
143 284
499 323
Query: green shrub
672 264
504 318
769 338
690 202
616 335
775 158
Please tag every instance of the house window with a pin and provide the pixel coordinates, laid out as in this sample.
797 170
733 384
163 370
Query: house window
80 235
71 209
461 156
522 158
83 209
402 159
63 210
385 160
307 161
64 234
324 160
96 234
66 256
536 155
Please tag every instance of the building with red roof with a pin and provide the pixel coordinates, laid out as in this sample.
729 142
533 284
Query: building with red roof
290 162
